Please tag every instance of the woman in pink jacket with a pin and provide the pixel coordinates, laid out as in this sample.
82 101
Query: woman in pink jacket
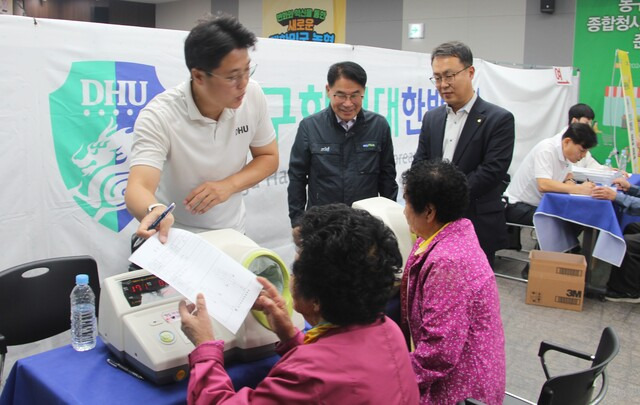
450 304
342 277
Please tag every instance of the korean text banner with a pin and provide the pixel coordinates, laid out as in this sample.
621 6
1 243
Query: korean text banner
304 20
72 92
602 27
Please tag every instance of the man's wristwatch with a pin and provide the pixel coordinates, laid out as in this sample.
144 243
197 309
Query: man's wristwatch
152 206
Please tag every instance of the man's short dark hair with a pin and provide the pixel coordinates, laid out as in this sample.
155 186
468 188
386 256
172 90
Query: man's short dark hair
581 110
347 260
456 49
581 134
213 39
438 183
349 70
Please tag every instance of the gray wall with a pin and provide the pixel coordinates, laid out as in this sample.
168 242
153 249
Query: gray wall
181 15
374 23
549 37
225 7
250 14
494 29
509 31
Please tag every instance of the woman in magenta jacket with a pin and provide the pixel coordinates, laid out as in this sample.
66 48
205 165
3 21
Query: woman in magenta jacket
450 304
342 277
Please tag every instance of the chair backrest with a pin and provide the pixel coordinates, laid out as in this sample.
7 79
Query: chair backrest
37 307
577 388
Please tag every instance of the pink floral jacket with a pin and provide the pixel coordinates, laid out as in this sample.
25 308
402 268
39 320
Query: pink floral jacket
359 364
451 308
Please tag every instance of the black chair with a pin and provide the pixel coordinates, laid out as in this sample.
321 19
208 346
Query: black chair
574 388
514 231
35 299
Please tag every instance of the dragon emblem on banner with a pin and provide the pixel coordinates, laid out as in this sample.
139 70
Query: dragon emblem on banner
92 119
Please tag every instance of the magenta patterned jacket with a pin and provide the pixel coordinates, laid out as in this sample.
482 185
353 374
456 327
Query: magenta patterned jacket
452 310
359 364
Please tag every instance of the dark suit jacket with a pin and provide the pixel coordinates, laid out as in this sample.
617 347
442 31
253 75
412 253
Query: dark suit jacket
483 153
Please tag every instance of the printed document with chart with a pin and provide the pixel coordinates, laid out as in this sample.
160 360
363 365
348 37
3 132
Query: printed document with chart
191 265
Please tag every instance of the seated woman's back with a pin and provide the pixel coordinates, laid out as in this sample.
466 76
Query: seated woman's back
359 364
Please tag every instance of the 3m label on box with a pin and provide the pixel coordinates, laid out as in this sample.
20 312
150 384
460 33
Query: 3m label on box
574 293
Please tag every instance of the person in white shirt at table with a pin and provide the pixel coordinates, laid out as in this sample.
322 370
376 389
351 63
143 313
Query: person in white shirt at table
584 114
547 169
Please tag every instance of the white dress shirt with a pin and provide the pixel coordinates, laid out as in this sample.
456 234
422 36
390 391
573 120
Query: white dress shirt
453 127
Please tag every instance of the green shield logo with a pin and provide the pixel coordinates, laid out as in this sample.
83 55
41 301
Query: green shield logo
92 118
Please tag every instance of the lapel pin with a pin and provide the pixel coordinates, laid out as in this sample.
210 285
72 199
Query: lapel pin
479 120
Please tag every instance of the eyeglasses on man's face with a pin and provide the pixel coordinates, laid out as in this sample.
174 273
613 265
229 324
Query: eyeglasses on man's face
448 78
235 78
343 97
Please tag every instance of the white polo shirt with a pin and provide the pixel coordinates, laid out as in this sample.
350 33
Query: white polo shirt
545 161
171 135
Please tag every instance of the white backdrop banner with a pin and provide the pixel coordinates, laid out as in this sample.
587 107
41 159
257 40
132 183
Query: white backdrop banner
72 91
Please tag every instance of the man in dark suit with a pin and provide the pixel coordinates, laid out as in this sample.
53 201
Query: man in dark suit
473 134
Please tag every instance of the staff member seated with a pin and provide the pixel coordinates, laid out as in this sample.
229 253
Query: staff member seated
343 274
584 114
624 281
547 169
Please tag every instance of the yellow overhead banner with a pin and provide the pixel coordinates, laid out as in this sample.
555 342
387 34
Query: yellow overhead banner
304 20
631 114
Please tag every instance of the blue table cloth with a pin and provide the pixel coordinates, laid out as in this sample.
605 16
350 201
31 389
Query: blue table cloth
64 376
555 218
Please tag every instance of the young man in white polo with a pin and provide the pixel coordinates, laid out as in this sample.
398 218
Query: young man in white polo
191 142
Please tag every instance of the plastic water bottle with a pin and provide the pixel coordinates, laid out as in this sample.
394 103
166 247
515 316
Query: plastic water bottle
83 315
608 163
623 160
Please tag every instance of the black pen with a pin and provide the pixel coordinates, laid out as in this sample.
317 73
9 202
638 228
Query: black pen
127 370
166 212
155 223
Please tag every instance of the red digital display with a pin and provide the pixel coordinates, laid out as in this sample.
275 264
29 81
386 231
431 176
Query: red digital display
135 287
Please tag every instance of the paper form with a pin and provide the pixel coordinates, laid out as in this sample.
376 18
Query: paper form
191 265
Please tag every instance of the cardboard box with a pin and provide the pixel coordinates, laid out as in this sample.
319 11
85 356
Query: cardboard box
556 280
